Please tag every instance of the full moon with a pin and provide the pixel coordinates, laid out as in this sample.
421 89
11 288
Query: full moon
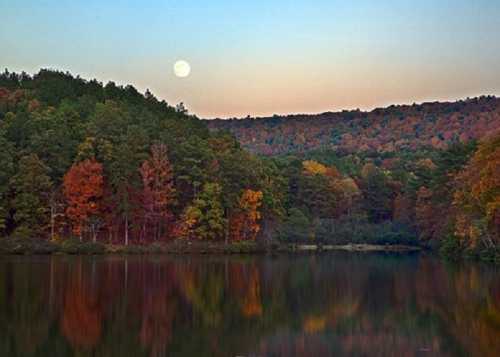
182 69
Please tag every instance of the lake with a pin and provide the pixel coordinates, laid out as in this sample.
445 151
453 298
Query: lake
355 304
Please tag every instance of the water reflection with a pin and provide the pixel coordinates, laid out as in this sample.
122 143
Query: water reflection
335 304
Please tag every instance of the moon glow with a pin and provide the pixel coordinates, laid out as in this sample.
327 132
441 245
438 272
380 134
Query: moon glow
182 69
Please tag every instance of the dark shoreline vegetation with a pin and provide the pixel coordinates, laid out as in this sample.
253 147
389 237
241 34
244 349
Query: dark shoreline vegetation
27 246
91 168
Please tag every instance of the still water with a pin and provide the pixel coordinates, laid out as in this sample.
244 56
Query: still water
325 305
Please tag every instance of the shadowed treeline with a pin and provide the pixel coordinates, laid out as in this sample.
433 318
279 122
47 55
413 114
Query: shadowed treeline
222 306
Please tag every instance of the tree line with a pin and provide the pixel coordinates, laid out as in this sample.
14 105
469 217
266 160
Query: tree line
105 163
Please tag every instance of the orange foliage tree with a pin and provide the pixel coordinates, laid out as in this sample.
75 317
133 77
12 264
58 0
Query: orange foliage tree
244 223
158 190
83 188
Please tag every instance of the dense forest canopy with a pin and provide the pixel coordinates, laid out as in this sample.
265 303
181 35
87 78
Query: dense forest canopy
383 130
108 164
101 162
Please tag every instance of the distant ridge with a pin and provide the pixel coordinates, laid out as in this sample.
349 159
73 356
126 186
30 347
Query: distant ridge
397 127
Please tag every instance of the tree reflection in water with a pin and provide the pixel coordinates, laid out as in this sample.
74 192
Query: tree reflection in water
332 304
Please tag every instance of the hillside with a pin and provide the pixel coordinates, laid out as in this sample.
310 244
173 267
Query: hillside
389 129
94 163
104 162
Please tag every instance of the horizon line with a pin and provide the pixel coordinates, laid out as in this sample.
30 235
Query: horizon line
445 100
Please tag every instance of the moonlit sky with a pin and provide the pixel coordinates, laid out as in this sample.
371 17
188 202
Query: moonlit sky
261 57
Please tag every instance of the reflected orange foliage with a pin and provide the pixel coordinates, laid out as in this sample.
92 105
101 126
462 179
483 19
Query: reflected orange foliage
81 315
252 305
314 324
157 319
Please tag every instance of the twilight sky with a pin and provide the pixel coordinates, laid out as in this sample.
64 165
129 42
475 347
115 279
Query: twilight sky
261 57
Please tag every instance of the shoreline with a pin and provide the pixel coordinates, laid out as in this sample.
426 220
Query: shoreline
10 246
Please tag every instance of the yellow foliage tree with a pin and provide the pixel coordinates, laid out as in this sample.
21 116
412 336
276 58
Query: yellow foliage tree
477 197
314 168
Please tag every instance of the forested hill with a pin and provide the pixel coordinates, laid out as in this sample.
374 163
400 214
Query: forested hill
389 129
85 162
104 162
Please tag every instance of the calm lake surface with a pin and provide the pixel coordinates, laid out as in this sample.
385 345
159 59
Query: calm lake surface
312 305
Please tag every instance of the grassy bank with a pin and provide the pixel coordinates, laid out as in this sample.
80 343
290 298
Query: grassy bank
74 246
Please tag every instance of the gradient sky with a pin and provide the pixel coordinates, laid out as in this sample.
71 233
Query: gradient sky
263 57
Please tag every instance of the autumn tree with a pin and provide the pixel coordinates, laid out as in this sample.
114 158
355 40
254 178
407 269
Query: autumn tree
204 218
244 223
83 188
434 189
158 190
347 196
314 168
477 197
311 189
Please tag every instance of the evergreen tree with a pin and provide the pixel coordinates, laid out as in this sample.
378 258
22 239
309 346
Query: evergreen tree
32 187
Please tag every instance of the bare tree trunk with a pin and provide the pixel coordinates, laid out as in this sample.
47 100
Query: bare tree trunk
51 286
143 231
126 275
52 221
126 230
157 224
226 238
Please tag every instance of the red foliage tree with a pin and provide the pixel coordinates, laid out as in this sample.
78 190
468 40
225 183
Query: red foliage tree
83 188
